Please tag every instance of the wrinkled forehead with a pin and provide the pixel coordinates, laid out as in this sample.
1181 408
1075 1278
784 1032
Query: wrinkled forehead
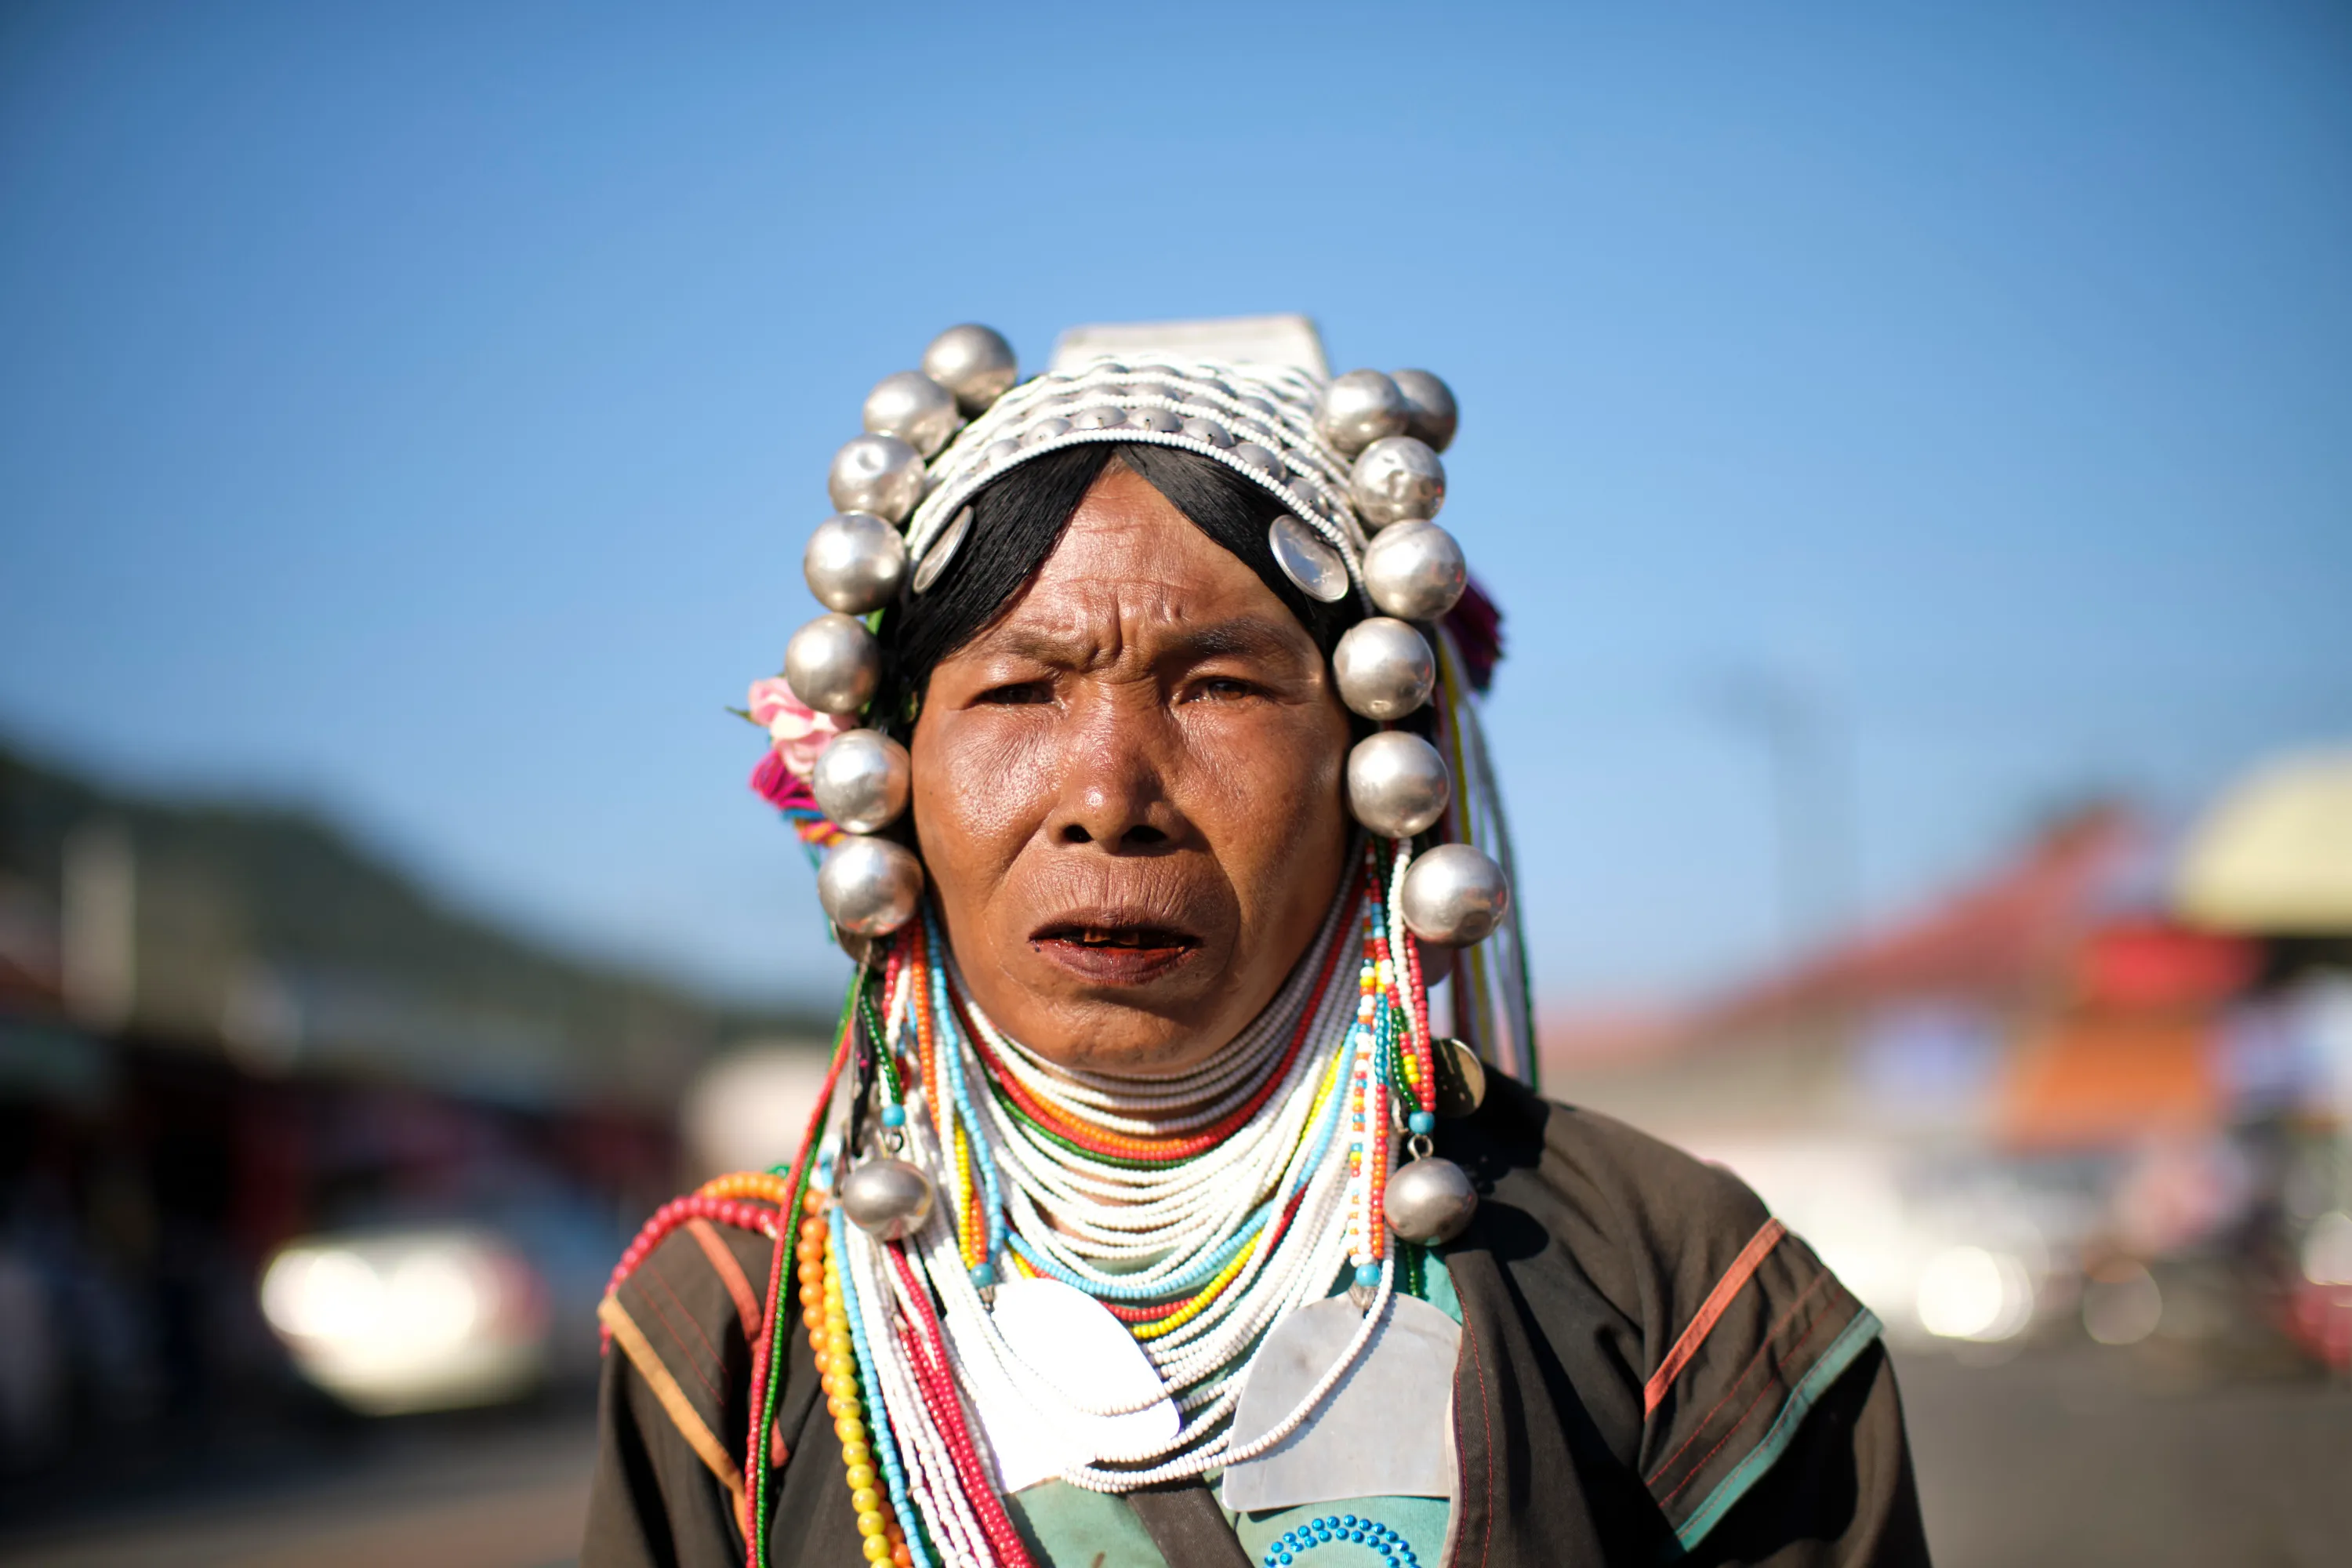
1131 573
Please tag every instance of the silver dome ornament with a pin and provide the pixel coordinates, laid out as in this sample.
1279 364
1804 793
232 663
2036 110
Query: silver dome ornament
916 409
861 780
1453 895
834 664
1357 409
888 1199
1397 784
1428 1200
1414 571
855 563
974 364
869 887
1383 668
877 474
1308 560
1263 460
1430 412
1209 430
1396 479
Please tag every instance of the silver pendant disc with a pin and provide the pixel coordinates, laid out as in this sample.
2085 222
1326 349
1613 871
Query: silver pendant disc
1387 1430
942 551
1307 560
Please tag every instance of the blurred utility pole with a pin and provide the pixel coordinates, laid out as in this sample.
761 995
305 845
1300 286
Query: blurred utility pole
1808 769
101 924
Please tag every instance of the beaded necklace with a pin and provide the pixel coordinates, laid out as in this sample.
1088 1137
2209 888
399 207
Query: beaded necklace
1197 1209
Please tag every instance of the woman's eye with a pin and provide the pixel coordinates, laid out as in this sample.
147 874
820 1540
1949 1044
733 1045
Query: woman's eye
1224 688
1018 694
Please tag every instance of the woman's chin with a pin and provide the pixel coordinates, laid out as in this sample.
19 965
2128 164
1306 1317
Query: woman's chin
1133 1014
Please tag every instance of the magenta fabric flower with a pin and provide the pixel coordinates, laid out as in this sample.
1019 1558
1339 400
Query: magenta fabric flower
775 782
799 732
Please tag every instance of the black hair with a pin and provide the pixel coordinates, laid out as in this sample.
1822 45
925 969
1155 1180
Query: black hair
1016 520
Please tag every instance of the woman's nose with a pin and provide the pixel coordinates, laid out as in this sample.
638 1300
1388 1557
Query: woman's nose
1114 781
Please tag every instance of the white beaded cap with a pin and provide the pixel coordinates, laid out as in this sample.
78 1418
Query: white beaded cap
1256 419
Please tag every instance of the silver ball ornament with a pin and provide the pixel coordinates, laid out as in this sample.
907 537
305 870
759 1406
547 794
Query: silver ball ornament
877 474
855 563
834 664
1428 409
887 1199
1429 1200
974 362
1453 895
1414 571
916 409
1397 784
869 887
1383 668
1396 479
861 780
1359 408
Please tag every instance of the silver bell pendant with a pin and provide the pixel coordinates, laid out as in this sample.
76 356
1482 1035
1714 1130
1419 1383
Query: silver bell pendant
887 1198
1429 1199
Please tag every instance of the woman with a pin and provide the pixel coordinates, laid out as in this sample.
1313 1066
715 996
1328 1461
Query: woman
1162 1214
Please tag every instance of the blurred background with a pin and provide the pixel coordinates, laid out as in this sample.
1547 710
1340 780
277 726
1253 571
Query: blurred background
1912 450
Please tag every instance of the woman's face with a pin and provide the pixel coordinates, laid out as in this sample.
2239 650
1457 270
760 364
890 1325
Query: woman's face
1127 792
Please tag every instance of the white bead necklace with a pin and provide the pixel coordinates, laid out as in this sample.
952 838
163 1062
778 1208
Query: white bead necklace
1277 1200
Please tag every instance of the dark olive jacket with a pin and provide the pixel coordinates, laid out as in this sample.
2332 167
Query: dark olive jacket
1652 1369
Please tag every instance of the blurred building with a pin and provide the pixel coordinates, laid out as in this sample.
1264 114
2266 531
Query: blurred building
224 1027
2062 1094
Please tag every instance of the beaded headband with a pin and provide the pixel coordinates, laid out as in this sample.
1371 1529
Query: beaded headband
1354 462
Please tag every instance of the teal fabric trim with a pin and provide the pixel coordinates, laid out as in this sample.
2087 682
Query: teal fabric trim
1733 1486
1070 1526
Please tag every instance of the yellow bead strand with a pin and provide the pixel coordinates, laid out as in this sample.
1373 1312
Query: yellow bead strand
826 1310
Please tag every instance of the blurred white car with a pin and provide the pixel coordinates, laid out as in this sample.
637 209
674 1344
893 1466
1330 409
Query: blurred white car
436 1315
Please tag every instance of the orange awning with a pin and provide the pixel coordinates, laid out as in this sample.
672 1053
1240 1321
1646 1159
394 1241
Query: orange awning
2098 1079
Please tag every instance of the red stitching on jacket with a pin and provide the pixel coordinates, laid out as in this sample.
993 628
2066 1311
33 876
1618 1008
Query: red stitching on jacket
1486 1420
1733 1391
686 1350
1710 1311
731 1274
1699 1468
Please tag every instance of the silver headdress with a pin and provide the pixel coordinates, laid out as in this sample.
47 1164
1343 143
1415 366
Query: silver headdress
1354 459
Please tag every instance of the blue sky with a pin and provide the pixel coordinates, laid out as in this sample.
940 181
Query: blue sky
419 409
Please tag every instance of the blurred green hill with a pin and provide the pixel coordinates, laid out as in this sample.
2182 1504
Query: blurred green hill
268 933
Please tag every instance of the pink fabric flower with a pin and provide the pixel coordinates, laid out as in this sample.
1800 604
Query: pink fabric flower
775 782
798 731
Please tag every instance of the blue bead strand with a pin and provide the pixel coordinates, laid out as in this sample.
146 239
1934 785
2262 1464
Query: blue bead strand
1337 1528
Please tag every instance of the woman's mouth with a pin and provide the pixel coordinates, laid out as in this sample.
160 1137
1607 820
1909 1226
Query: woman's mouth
1113 951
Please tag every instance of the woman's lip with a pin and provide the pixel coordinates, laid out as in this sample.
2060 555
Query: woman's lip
1114 966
